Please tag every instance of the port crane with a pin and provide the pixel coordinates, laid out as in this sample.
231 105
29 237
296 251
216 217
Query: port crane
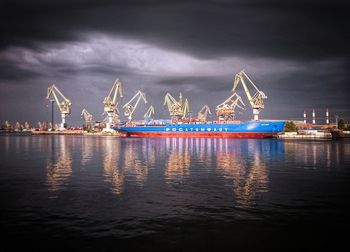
186 110
130 106
64 105
175 107
257 100
203 113
113 115
110 103
226 110
149 114
87 116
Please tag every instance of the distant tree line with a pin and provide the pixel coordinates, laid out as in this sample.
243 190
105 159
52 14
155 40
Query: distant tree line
290 127
343 125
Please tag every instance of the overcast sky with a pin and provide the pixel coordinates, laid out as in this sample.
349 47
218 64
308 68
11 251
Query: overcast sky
296 52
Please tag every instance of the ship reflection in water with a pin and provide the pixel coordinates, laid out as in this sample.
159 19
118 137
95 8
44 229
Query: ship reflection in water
244 170
239 163
173 193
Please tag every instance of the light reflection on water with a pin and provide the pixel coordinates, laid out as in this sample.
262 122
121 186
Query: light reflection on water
242 163
106 186
113 173
87 151
238 162
59 165
177 160
310 154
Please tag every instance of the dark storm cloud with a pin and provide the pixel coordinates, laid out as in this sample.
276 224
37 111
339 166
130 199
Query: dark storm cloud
296 52
211 83
298 29
11 72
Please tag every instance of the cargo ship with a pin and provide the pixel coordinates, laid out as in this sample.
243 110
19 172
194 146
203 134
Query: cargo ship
251 129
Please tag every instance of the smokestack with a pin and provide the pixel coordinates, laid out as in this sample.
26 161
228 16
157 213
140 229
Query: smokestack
313 117
327 116
304 116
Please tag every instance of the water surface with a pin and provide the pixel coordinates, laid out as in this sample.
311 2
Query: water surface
106 193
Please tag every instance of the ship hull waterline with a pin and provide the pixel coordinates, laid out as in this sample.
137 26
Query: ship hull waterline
198 134
262 129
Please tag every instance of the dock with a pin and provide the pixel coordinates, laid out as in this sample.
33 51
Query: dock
65 132
314 136
74 133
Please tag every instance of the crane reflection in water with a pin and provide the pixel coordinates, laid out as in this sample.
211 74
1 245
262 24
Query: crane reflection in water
241 167
113 173
178 161
129 162
135 165
240 162
59 165
87 145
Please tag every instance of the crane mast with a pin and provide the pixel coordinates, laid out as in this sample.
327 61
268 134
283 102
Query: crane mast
226 110
203 113
257 100
64 105
87 116
186 110
149 114
130 106
175 107
110 103
88 119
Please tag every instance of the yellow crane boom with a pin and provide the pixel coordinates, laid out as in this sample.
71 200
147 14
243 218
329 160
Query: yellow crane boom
257 100
64 105
150 112
174 107
87 116
130 106
186 109
226 110
203 113
110 103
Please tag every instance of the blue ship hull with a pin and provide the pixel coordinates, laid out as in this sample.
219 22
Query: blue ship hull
254 129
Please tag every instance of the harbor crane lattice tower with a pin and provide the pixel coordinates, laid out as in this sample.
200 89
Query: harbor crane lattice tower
177 109
203 113
87 116
130 106
174 107
186 110
257 100
64 105
226 110
110 103
149 115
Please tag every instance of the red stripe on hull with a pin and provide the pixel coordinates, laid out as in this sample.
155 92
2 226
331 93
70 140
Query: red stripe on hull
199 134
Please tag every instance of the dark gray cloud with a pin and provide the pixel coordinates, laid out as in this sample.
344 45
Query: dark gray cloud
296 51
298 29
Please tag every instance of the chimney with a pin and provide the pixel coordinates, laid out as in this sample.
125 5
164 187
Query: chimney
304 116
313 117
327 116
